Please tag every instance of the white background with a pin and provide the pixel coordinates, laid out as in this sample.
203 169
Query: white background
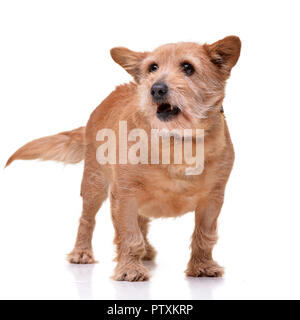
55 68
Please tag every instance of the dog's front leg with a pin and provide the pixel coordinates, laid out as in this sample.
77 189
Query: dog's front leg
128 237
204 238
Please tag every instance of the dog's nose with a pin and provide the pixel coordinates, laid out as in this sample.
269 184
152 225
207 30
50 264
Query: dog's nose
159 90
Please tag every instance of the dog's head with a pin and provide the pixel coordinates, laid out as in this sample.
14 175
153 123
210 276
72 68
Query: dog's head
178 84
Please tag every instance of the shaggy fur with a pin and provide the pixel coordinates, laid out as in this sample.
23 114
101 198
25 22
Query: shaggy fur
140 192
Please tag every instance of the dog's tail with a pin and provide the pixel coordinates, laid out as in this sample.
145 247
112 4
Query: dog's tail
67 147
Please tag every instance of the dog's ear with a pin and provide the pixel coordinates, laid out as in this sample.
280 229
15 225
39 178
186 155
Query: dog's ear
224 53
129 60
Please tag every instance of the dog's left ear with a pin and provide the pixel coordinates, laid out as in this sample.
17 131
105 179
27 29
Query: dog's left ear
225 53
129 60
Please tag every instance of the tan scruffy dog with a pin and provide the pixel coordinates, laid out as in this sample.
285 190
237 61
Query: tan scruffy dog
177 86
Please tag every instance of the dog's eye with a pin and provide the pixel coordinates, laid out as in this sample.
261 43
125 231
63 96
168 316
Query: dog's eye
187 68
153 67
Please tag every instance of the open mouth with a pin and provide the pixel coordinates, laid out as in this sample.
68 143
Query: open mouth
166 112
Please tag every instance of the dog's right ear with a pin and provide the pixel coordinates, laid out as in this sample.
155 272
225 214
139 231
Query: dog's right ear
129 60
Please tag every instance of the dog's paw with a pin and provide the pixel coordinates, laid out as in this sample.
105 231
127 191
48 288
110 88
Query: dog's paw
131 272
150 253
208 268
81 256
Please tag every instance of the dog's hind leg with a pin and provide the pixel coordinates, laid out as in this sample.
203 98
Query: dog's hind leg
94 190
204 238
144 226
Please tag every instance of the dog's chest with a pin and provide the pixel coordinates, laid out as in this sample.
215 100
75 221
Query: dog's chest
166 196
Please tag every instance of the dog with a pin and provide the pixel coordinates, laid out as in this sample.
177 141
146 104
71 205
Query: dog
178 86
